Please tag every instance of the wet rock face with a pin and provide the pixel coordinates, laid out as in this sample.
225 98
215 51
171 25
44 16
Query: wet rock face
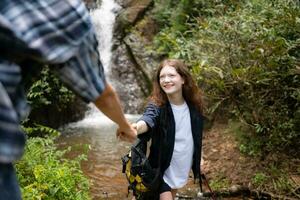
124 3
133 10
92 4
133 64
126 81
146 60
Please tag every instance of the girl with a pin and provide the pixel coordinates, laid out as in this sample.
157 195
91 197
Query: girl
176 96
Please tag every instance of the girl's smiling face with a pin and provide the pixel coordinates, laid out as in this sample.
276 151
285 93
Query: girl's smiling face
170 81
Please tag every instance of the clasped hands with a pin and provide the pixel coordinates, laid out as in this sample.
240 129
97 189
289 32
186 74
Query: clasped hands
127 133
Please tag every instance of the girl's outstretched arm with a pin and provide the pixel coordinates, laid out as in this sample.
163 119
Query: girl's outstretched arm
140 126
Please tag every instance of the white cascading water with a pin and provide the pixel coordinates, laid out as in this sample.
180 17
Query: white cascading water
103 19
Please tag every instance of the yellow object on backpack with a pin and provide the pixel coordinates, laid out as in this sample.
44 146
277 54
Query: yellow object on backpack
134 180
141 176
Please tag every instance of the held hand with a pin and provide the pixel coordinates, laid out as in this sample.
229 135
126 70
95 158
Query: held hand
134 125
127 133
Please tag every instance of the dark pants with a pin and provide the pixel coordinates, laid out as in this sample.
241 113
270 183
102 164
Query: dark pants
9 188
164 187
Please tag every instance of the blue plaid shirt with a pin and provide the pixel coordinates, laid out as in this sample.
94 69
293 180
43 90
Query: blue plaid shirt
57 33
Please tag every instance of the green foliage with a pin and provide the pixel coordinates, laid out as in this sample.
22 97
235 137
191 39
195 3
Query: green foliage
180 14
248 145
176 13
163 11
259 179
280 179
274 179
44 174
39 129
220 182
48 89
245 55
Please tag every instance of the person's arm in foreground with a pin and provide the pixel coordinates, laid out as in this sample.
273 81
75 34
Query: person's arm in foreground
108 102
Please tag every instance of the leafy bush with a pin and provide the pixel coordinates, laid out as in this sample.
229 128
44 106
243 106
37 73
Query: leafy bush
39 129
181 13
44 174
47 89
51 102
246 58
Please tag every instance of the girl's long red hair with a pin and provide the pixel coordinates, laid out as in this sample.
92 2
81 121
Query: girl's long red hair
190 91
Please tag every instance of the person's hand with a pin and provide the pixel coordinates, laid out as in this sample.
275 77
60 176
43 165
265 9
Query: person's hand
134 125
127 133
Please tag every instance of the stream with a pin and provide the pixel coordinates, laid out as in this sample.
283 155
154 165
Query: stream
96 133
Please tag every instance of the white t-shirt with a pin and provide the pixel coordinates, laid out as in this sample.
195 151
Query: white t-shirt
176 175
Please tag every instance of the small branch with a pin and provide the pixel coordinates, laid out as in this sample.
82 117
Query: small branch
296 193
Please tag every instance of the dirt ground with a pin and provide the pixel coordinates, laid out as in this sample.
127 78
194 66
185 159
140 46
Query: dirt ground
224 166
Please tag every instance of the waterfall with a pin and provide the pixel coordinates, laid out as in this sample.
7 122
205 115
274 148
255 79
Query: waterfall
103 20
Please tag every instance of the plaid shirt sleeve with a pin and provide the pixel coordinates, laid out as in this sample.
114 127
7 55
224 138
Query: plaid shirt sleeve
58 33
84 73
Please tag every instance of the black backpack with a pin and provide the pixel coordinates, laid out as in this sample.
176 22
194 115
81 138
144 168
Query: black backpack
142 178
